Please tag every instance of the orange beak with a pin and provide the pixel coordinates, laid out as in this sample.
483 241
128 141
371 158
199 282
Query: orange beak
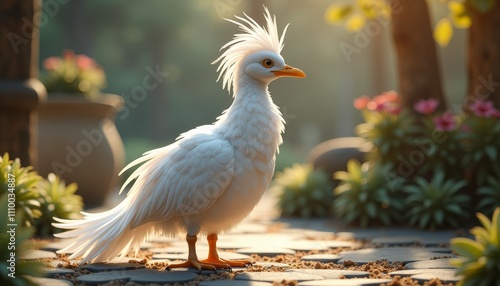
290 72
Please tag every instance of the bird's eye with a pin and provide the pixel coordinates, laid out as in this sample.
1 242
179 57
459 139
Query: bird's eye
267 63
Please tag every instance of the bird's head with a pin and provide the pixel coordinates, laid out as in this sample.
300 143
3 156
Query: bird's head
254 53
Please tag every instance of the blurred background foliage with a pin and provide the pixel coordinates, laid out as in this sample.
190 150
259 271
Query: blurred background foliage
129 38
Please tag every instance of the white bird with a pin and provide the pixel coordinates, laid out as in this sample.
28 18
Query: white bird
211 177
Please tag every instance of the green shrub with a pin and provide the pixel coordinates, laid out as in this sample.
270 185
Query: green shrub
479 260
38 199
436 202
303 191
367 194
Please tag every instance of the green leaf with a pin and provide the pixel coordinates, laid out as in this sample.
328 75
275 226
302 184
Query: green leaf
491 151
354 168
371 209
495 227
439 217
443 32
337 13
424 220
485 221
467 247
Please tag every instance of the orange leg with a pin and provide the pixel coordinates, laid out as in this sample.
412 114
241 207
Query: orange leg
213 256
192 260
213 262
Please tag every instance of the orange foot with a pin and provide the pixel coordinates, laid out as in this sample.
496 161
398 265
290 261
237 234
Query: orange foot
213 262
220 263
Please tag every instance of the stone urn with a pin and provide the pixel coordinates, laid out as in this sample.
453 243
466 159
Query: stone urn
78 140
332 156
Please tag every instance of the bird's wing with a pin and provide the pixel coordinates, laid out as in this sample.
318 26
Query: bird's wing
188 178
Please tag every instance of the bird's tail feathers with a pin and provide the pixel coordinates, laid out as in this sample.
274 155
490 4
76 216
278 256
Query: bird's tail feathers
147 156
103 236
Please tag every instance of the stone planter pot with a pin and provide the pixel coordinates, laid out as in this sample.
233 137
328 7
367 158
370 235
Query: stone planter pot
78 140
332 156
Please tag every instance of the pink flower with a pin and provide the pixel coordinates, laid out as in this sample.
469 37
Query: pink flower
483 108
376 106
361 102
51 63
386 97
84 63
390 96
426 106
445 122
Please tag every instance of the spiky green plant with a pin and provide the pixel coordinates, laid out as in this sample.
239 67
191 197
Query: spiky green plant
490 195
25 182
479 260
367 194
436 202
38 199
57 200
391 134
303 191
13 270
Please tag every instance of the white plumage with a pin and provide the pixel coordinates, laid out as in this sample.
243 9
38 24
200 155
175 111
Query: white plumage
212 176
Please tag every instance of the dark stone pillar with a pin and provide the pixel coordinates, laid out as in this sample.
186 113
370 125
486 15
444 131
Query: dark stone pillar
20 90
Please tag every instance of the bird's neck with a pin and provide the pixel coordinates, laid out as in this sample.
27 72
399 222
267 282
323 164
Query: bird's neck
253 123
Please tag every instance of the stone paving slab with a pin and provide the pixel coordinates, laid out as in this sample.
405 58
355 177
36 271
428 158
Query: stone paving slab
443 263
332 244
325 258
139 276
395 240
333 273
305 245
266 251
391 254
277 276
422 275
97 267
234 283
50 281
38 254
346 282
52 272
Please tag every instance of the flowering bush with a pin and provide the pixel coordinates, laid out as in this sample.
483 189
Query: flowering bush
430 149
467 143
74 74
386 126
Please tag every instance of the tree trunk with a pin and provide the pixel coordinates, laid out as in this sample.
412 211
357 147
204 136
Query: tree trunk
483 61
418 68
20 91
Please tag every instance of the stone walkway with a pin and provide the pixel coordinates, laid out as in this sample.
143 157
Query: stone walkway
310 252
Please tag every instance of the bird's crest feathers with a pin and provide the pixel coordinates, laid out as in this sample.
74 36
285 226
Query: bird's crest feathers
254 38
